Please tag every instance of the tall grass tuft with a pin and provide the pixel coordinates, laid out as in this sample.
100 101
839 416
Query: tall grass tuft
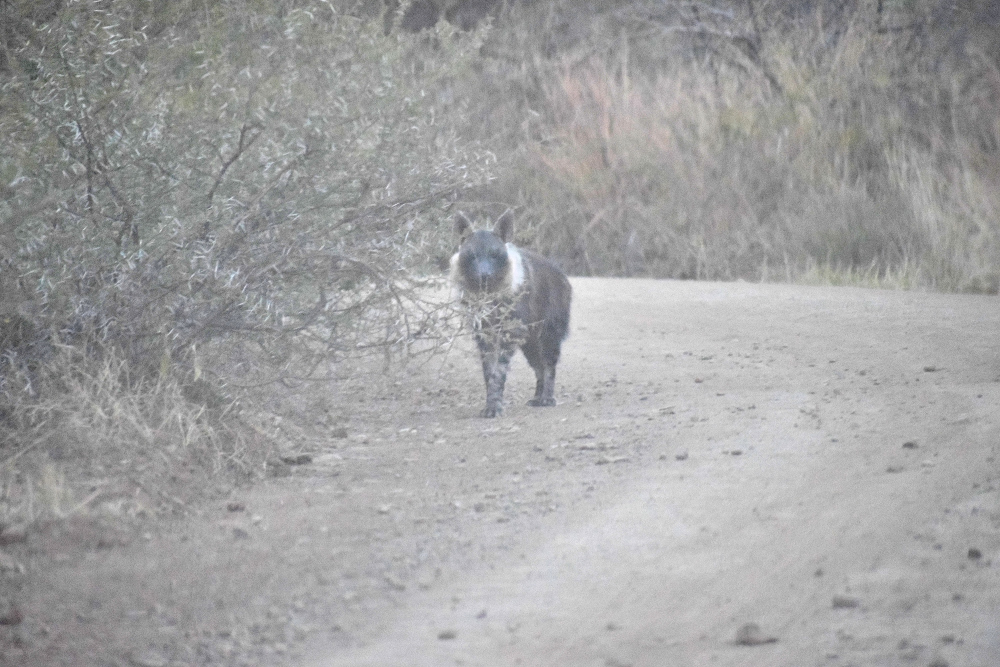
78 420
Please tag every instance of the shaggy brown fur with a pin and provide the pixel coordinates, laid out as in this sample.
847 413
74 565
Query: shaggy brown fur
515 298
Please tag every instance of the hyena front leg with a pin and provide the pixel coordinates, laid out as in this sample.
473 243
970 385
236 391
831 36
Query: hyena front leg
496 358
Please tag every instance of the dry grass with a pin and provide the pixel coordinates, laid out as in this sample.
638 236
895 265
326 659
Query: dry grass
835 147
85 435
190 226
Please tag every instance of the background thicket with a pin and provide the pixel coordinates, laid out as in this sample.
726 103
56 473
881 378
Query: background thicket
824 141
205 204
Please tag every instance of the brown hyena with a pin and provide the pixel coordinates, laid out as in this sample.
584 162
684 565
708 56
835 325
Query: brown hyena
514 298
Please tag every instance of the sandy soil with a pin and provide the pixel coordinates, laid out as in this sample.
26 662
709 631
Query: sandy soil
820 463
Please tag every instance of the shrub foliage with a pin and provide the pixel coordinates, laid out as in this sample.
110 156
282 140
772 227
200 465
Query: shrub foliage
206 199
258 173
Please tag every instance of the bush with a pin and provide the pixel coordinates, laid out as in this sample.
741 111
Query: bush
240 195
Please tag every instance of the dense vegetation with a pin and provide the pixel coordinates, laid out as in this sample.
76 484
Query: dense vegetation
831 141
199 198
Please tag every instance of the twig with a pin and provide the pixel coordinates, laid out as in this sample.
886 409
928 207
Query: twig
242 146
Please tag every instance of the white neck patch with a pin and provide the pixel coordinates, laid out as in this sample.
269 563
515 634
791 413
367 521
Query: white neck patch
516 267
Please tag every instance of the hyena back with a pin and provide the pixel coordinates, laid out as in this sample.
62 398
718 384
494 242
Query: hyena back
515 298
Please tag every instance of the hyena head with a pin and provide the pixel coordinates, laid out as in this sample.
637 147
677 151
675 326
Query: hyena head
483 263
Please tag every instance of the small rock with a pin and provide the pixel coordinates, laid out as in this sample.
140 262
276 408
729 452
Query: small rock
931 369
10 614
240 534
147 659
975 554
235 507
339 432
845 602
8 564
681 455
909 444
297 460
481 614
750 634
938 662
736 452
447 634
13 535
894 469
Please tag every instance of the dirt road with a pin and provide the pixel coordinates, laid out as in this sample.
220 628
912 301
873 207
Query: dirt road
818 462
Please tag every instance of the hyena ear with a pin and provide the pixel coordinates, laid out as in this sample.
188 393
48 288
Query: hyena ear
462 226
504 228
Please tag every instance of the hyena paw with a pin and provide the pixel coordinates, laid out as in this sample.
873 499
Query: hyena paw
491 411
542 402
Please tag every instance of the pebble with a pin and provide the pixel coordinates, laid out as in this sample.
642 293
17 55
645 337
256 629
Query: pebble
8 564
750 634
845 602
147 659
13 535
9 613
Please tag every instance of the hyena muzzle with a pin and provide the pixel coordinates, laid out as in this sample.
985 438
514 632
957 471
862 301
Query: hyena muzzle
515 298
